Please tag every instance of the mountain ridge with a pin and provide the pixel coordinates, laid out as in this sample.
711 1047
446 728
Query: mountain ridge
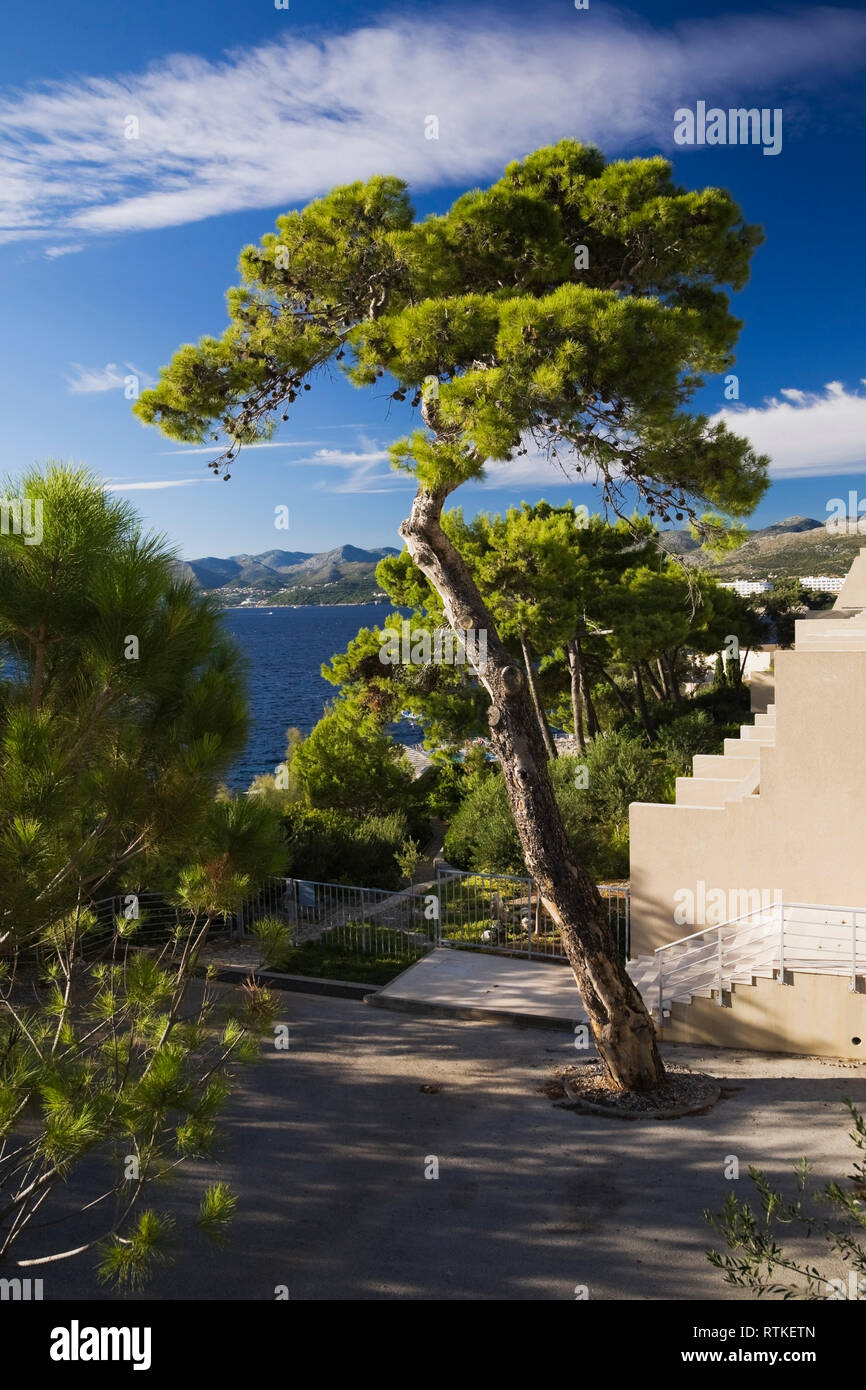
288 573
794 546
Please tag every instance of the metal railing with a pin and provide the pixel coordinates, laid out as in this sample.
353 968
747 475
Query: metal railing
503 912
374 921
369 921
487 912
812 938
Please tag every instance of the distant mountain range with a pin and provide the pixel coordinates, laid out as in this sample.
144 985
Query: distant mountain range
344 575
796 546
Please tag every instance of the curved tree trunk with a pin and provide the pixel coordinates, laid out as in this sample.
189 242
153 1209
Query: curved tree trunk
623 1029
540 715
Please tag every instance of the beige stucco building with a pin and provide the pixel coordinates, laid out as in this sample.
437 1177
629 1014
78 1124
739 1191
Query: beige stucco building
778 818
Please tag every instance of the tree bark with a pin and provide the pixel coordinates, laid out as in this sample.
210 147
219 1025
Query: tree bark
540 715
653 684
576 703
669 663
641 703
622 1027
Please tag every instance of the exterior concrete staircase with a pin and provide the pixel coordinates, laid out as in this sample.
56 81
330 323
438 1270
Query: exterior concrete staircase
733 774
781 808
769 943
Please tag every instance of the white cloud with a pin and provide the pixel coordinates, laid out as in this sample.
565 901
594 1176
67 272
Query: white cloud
107 378
365 475
53 252
535 469
154 486
214 449
361 467
279 123
807 433
343 458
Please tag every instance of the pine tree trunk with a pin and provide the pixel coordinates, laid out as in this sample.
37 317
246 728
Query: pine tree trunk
641 703
623 1029
592 725
651 681
670 665
540 715
576 704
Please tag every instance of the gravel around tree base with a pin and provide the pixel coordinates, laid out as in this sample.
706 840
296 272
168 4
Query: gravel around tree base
588 1087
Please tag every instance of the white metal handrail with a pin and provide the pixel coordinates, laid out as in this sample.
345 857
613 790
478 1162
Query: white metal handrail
775 913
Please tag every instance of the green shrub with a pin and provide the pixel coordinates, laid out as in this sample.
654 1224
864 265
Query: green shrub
482 835
450 778
333 847
682 738
347 764
619 770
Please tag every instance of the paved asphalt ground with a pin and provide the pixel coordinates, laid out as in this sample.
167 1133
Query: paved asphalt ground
328 1144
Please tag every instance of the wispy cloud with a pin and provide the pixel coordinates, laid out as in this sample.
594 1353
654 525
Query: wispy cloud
107 378
53 252
806 433
214 449
153 486
534 469
347 458
362 468
283 121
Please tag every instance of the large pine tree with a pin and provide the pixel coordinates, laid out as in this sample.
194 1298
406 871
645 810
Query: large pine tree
573 307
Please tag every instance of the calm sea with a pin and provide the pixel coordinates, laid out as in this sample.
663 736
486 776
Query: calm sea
285 648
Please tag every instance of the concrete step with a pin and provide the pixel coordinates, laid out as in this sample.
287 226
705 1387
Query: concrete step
707 791
758 733
743 748
763 721
719 765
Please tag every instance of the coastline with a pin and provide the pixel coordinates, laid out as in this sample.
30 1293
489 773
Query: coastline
360 603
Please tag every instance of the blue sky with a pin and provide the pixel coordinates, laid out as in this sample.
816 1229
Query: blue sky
115 251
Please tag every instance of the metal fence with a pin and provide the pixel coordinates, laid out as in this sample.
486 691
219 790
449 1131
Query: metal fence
500 912
145 919
486 912
493 912
373 921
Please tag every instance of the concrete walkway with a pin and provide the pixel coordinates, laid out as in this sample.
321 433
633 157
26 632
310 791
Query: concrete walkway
329 1145
476 984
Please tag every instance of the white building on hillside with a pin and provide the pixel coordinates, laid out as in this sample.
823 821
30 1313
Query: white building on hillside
824 582
744 587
